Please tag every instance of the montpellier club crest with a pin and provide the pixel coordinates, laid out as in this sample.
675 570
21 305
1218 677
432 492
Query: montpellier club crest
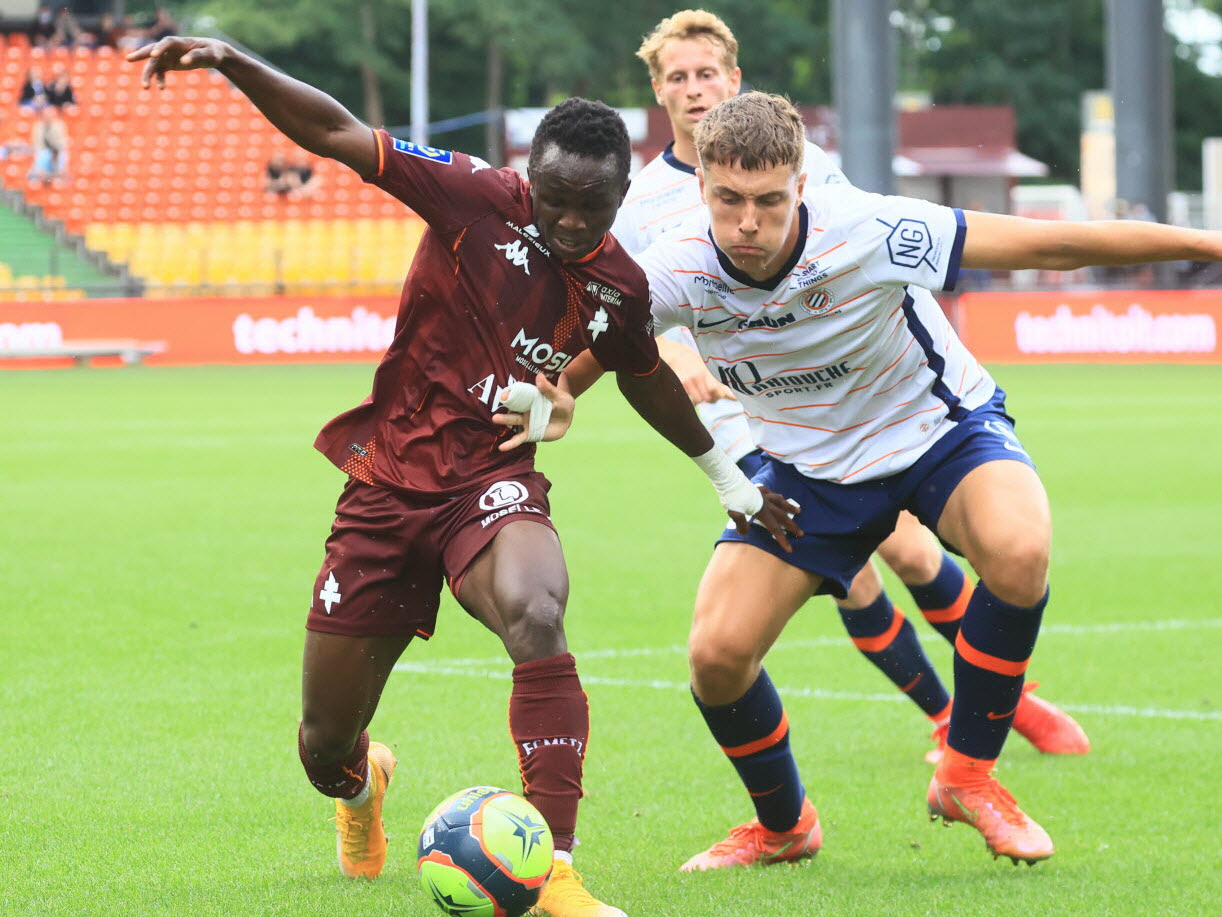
818 302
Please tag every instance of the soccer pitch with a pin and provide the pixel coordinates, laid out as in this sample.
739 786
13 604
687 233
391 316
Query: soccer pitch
163 528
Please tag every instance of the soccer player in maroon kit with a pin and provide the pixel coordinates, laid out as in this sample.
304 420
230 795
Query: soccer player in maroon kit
511 281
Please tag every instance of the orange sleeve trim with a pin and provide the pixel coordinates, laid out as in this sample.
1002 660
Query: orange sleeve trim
651 371
883 640
741 751
377 136
987 662
952 612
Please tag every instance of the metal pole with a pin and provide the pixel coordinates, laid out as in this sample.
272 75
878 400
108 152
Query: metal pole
420 72
1139 77
863 56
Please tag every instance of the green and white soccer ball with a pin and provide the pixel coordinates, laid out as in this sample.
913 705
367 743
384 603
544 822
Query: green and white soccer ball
484 852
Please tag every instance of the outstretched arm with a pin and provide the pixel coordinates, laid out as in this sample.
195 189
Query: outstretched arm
307 116
998 242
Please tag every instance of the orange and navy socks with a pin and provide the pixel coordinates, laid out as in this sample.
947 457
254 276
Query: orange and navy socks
994 646
888 640
343 779
753 731
549 720
944 600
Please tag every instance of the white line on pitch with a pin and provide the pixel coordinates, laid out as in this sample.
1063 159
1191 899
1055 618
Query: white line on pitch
425 668
1048 630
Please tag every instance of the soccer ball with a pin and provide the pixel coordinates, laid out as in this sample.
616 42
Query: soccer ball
484 852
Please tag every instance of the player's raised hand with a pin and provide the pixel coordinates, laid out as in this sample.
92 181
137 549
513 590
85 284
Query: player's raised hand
543 411
176 53
776 515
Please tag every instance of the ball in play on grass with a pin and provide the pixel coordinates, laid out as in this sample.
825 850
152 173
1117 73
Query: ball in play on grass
484 852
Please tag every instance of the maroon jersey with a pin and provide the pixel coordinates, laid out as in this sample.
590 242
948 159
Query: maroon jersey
485 303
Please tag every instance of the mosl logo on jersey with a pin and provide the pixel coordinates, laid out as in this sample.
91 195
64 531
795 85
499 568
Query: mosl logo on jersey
909 244
430 153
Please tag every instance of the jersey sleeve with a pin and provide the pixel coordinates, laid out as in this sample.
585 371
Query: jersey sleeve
631 347
820 169
667 298
447 188
899 240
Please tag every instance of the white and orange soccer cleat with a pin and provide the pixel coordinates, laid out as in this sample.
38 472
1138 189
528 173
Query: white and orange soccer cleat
752 843
1047 727
360 841
988 807
565 895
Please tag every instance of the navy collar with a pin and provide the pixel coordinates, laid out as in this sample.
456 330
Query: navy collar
770 284
669 155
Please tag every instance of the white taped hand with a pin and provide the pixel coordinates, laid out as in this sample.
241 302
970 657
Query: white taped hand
526 399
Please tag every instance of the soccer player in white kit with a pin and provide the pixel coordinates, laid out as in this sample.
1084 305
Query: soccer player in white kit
692 59
815 310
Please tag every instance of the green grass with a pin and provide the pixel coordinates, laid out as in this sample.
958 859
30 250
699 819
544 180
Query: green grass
162 531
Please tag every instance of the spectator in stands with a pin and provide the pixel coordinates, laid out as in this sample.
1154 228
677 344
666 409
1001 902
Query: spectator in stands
43 29
59 90
110 32
282 178
305 177
162 26
50 143
67 30
33 90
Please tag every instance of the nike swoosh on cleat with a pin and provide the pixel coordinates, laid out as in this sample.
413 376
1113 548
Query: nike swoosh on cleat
971 816
703 324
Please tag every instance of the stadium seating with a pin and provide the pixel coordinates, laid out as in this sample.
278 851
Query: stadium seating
171 183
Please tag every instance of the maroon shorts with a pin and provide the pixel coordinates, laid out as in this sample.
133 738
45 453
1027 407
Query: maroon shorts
389 552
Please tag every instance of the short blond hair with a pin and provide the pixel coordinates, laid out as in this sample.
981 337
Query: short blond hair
689 24
755 130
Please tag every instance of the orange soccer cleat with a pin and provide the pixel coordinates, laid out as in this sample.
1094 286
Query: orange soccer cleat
987 806
752 843
360 840
1047 727
565 895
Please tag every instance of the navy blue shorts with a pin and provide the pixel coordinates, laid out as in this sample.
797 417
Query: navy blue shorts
845 523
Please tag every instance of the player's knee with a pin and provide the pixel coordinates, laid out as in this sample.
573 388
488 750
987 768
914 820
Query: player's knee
1019 574
721 669
535 626
915 564
326 743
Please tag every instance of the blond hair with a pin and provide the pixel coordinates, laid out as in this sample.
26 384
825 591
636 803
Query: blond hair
689 24
755 130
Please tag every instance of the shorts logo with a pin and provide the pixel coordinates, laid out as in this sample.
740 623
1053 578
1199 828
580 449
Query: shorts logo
502 494
424 152
329 594
818 302
909 243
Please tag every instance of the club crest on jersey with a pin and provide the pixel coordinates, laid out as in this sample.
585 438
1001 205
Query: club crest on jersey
502 494
818 302
431 153
910 243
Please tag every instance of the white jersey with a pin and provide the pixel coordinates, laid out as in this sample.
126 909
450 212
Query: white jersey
844 362
664 194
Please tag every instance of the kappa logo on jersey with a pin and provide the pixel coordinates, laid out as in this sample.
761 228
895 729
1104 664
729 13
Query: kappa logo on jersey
818 302
502 494
542 357
517 253
609 295
598 324
431 153
329 594
909 244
